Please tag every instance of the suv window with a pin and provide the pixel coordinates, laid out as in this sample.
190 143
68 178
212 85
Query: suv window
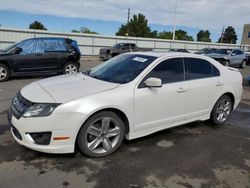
169 71
54 45
238 52
31 46
199 68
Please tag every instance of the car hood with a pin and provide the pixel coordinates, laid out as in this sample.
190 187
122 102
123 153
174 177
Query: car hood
62 89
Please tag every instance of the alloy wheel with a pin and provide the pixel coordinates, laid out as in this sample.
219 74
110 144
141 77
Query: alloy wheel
70 69
102 135
223 110
3 73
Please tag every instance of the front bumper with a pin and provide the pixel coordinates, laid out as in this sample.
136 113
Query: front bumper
60 125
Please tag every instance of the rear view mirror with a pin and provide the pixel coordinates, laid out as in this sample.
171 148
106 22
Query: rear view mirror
17 50
233 54
153 82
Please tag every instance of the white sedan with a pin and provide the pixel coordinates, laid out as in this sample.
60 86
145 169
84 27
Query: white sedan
131 95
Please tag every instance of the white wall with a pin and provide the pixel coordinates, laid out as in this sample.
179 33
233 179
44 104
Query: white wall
90 44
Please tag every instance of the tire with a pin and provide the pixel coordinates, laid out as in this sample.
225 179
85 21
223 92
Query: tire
101 135
4 73
70 68
226 63
221 110
243 64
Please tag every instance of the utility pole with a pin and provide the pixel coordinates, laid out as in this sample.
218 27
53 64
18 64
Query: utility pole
128 22
175 8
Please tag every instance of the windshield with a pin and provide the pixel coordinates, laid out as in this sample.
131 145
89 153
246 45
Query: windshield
121 69
10 47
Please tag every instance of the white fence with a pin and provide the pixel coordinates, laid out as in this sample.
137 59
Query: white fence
90 44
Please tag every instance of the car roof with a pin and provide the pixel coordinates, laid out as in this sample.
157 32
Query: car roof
167 54
51 38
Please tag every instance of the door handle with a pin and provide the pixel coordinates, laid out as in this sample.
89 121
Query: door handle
181 90
219 84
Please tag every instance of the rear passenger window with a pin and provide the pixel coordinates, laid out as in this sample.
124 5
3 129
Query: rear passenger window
54 45
199 68
169 71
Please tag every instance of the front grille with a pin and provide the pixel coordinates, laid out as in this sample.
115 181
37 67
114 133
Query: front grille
18 105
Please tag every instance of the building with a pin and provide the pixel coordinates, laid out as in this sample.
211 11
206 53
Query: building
246 35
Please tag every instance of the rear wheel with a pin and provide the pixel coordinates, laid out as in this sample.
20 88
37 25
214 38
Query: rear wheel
243 64
221 110
101 135
70 68
4 73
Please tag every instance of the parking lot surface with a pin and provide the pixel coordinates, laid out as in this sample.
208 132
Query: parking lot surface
194 155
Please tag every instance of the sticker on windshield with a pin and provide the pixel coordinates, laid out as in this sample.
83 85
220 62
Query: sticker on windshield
140 59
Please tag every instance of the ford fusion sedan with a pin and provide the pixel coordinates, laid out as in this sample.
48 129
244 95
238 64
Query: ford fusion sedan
129 96
44 55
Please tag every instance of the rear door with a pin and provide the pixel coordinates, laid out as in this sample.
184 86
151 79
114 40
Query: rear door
55 53
204 83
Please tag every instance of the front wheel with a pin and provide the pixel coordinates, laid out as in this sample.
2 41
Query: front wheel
70 68
226 63
243 64
101 135
221 110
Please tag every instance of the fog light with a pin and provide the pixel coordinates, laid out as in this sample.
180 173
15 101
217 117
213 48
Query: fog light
42 138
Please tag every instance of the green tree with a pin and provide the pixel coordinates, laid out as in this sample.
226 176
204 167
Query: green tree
136 27
165 35
37 25
203 36
84 30
228 36
182 35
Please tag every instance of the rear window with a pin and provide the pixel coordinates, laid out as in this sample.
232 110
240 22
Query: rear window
199 68
54 45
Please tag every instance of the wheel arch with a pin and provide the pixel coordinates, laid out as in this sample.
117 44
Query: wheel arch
117 111
229 94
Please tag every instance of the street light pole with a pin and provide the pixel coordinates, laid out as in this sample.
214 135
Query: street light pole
175 8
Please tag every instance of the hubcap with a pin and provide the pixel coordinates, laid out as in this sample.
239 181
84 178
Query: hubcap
102 135
3 73
223 110
71 69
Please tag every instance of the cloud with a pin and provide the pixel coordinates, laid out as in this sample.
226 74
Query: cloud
204 14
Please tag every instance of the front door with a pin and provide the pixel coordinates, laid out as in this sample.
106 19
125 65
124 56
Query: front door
165 106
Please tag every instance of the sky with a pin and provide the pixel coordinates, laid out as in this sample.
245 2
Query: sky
105 16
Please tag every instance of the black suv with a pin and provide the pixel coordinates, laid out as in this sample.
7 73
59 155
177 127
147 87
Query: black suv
39 56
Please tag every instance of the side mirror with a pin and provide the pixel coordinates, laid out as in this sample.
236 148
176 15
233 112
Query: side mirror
233 54
153 82
17 50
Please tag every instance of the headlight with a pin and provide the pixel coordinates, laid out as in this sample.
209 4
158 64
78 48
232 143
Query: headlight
40 110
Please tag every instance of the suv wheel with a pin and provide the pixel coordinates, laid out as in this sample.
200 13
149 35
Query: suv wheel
70 68
221 110
101 135
243 64
4 73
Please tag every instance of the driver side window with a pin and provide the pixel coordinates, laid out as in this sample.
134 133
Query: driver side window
169 71
31 46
